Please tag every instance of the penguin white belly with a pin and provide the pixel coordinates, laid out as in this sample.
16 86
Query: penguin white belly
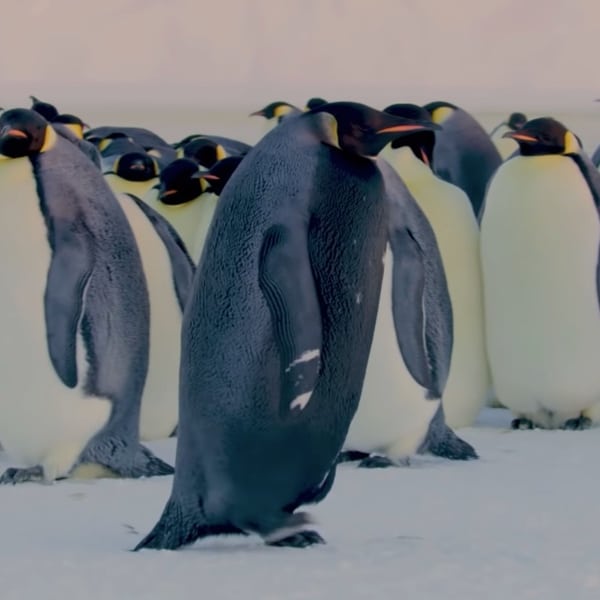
123 186
159 410
42 422
450 214
183 217
540 236
205 217
393 415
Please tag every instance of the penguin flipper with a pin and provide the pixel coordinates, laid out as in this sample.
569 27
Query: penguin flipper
70 269
287 283
423 326
182 265
442 441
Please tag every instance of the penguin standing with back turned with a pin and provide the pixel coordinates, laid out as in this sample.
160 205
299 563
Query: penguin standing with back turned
265 403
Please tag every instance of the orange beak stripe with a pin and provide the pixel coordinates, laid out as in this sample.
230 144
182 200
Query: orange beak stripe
400 128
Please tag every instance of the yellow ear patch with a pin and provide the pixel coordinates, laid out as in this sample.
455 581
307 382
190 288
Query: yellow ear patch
103 144
221 154
76 129
439 115
571 144
281 110
49 139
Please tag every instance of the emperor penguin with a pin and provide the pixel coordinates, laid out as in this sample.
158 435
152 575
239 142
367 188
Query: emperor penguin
314 102
230 146
134 172
183 198
275 113
505 145
203 151
456 230
540 236
74 349
266 401
464 154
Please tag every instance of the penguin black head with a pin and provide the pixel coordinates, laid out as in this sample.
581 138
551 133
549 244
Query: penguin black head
545 135
362 130
22 132
75 124
314 102
181 181
204 151
136 166
421 142
275 110
48 111
221 172
440 110
516 120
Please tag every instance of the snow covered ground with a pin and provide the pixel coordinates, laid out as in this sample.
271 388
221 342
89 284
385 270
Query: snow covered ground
519 523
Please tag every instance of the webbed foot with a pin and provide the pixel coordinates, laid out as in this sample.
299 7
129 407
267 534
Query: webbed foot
14 475
301 539
578 424
522 423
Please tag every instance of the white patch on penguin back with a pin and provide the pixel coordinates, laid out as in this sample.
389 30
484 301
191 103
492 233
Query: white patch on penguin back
301 401
304 357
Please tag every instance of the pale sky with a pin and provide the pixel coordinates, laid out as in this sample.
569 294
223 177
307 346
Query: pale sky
248 51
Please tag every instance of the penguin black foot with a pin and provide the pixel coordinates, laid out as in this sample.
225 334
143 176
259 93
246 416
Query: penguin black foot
119 457
301 539
181 525
377 461
351 456
579 424
15 476
522 423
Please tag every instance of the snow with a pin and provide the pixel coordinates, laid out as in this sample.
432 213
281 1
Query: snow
514 524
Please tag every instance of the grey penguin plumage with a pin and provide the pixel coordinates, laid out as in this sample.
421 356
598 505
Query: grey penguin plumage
464 154
265 403
80 304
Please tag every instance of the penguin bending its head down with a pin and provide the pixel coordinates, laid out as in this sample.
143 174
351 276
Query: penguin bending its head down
75 345
297 242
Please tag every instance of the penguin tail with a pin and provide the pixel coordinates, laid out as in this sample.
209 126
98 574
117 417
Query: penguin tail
180 525
442 441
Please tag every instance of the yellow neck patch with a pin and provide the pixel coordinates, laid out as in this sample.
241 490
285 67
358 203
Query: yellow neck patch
281 110
439 115
49 139
571 144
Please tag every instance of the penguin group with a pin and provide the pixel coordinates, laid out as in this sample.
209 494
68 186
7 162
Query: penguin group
351 288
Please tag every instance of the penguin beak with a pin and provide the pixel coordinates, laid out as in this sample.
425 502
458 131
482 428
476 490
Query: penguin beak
13 133
206 176
258 113
520 136
138 165
408 128
166 193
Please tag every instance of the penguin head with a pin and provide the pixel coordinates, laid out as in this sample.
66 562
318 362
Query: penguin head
24 132
362 130
181 181
136 166
204 151
421 142
75 124
440 110
276 110
516 120
314 102
545 135
221 172
48 111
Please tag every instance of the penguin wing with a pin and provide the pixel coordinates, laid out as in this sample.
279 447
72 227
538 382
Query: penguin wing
70 269
182 265
287 283
421 305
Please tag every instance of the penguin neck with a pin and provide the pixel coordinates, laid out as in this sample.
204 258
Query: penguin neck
408 166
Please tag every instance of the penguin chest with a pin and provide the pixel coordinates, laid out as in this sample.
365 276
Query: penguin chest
159 410
123 186
393 415
184 218
540 236
205 217
41 420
